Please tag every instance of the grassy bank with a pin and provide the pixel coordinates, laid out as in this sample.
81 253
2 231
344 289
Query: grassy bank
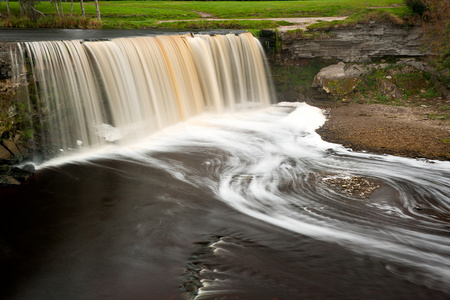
147 14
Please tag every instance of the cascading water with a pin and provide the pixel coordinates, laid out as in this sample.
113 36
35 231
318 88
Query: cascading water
248 205
127 88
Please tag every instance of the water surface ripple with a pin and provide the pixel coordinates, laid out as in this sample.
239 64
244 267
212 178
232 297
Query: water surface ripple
230 207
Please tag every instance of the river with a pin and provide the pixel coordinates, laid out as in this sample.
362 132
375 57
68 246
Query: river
232 206
179 178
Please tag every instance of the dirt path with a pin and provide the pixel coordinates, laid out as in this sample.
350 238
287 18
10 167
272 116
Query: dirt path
298 23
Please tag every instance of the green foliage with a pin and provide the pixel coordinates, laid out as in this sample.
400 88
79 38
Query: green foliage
51 22
436 30
416 6
27 134
430 93
301 34
437 116
444 107
255 32
293 80
284 23
381 98
412 82
415 87
370 81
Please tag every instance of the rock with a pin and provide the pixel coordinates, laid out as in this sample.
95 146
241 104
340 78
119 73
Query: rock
5 155
9 152
10 176
388 89
360 43
6 180
29 168
403 69
340 79
412 63
11 146
418 65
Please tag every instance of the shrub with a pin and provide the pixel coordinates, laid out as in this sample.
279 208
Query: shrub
437 32
417 6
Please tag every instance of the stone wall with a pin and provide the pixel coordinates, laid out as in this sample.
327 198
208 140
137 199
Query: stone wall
360 43
5 60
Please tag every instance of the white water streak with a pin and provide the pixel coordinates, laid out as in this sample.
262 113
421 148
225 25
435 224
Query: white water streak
141 85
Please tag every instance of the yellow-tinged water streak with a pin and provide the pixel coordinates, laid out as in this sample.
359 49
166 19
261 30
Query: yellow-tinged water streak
130 87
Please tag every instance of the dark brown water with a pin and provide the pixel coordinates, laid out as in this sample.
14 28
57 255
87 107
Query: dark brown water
53 34
227 208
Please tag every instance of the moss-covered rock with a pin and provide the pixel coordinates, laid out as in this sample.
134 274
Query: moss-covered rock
340 87
339 80
392 80
388 89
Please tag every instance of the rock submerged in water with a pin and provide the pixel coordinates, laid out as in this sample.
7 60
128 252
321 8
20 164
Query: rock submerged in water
12 152
352 185
12 176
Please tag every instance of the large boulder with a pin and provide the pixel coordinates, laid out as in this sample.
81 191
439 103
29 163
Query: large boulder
340 79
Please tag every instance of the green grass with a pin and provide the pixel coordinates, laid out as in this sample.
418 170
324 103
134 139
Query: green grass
166 10
437 116
386 15
444 107
226 24
147 14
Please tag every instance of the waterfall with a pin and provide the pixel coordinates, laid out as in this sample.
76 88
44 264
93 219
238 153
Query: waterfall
93 92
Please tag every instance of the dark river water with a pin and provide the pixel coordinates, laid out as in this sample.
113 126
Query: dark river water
228 207
53 34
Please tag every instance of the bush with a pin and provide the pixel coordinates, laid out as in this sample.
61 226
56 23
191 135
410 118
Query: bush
417 6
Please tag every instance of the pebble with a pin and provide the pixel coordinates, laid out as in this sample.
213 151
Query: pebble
353 185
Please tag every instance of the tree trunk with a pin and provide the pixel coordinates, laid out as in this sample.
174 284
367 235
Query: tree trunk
32 11
82 8
61 8
71 8
60 5
7 7
98 11
21 5
56 7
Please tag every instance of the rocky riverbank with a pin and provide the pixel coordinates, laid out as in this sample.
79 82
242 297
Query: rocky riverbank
385 129
396 106
400 107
